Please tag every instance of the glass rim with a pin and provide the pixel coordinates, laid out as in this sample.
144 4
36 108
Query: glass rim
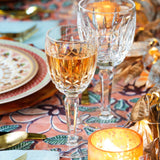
140 137
128 1
66 41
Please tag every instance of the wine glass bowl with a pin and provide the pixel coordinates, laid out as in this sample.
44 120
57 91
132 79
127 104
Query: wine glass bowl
113 23
73 67
71 64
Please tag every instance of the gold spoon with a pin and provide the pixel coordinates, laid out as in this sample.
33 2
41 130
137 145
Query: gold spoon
11 139
22 14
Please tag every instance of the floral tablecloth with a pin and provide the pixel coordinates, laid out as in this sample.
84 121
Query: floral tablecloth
48 117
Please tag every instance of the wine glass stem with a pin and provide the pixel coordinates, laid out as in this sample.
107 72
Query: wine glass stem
106 87
71 109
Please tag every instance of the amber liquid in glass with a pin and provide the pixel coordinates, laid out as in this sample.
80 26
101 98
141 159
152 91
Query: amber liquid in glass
72 72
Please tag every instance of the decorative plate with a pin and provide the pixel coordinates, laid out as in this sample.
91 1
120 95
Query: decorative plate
37 82
17 67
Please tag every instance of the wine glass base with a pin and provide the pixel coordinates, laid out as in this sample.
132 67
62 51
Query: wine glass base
106 115
73 140
79 151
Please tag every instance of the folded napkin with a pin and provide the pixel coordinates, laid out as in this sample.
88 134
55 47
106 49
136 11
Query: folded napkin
38 39
29 155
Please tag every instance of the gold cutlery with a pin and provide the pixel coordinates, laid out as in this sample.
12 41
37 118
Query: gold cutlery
21 36
85 97
11 139
26 13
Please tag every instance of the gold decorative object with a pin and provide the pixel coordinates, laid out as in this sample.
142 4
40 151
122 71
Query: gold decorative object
155 53
128 70
145 119
146 7
154 42
148 19
141 109
145 115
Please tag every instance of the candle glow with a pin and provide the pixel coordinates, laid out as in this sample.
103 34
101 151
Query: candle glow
115 143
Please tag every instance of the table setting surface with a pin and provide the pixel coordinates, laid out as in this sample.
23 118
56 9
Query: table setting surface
34 105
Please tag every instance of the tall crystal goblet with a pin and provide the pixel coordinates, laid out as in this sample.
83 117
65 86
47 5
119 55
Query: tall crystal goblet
114 24
71 63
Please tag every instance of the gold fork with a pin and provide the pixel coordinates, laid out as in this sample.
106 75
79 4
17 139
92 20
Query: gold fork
21 36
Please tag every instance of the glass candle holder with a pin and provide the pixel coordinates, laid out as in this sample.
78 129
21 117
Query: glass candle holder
115 144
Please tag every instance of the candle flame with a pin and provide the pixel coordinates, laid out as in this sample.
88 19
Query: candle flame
108 145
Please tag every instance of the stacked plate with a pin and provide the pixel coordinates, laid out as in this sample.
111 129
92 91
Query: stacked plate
23 70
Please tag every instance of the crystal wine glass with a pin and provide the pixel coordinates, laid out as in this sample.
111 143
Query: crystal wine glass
71 63
114 24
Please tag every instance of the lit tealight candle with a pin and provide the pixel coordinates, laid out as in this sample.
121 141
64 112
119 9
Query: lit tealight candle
115 144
